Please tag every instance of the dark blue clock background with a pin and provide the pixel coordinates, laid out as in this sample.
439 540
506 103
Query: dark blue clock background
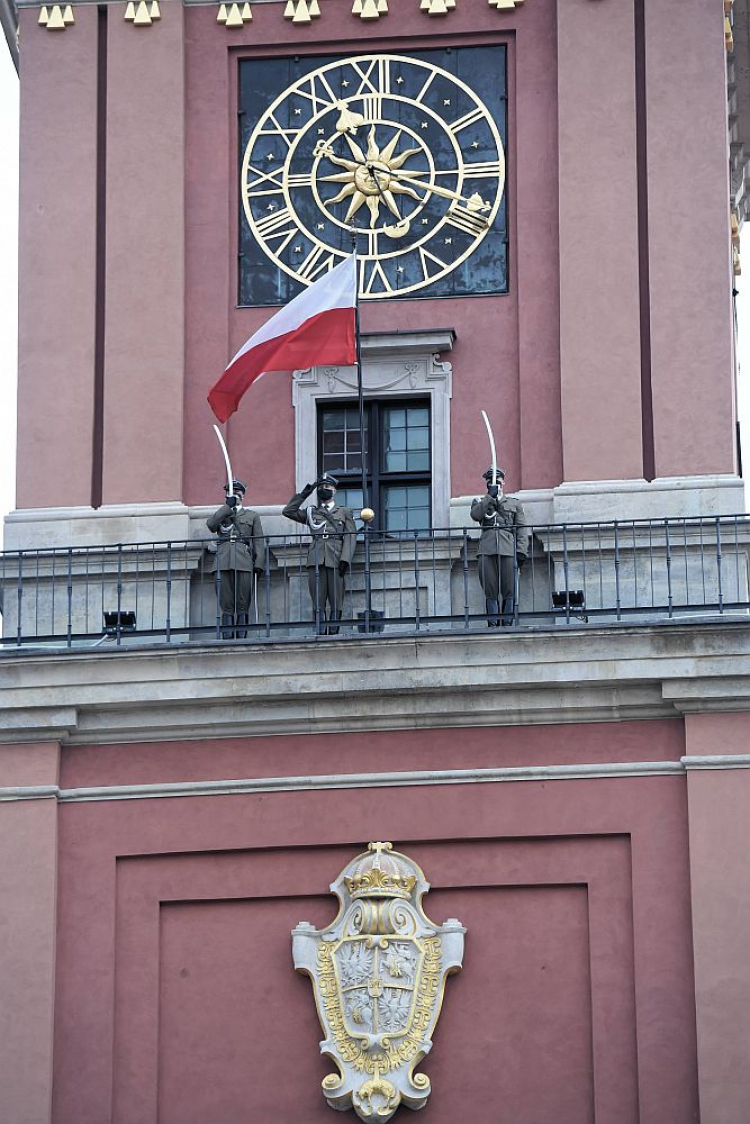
484 271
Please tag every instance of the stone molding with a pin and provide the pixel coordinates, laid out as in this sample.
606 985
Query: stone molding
408 779
196 691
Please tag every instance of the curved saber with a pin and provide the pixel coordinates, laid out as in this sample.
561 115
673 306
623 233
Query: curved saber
225 451
492 447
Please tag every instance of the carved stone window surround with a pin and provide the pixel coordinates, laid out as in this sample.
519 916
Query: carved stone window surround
394 365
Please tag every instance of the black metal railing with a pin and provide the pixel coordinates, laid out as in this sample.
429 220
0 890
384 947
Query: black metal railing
403 582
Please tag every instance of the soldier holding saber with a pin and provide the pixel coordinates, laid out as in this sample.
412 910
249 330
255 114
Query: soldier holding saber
503 545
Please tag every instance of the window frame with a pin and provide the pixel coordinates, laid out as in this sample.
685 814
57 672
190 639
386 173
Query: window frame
379 478
394 365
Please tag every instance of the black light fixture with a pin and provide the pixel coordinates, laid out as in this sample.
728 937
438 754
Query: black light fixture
118 621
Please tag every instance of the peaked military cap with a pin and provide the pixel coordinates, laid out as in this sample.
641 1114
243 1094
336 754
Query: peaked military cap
237 486
500 473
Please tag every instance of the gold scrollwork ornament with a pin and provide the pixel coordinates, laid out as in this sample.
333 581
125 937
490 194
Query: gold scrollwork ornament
378 973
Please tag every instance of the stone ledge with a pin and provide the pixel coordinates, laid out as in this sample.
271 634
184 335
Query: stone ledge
198 691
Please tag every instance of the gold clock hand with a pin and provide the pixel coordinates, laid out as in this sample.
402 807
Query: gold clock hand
473 202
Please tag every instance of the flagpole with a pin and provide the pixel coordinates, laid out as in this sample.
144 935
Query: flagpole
362 446
360 387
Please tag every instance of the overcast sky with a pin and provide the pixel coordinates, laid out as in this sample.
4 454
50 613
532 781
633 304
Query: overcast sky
9 304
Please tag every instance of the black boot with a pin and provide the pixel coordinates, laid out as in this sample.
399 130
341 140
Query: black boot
227 626
493 610
333 629
509 612
242 622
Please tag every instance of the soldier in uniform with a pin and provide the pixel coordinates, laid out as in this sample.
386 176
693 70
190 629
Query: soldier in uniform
329 558
241 553
503 547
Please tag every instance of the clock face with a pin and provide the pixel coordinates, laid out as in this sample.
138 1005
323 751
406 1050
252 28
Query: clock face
400 150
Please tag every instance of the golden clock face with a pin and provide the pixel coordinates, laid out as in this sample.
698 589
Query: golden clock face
398 149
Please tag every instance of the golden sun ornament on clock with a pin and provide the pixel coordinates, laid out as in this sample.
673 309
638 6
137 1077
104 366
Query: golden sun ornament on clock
396 148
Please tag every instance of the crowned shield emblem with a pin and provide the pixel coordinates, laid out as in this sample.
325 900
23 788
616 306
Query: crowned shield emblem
379 974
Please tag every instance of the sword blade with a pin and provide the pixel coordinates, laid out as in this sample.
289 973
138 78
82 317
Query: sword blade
225 451
492 447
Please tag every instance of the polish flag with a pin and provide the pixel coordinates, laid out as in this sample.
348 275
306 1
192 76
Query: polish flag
316 328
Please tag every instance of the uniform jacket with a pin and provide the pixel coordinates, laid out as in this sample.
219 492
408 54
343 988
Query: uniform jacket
241 545
502 520
334 533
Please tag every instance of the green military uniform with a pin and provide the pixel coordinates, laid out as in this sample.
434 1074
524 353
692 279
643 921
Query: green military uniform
334 537
241 551
504 544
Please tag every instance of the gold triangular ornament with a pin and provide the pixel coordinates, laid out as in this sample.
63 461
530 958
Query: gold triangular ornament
234 19
313 8
369 10
142 18
247 15
43 16
301 14
130 11
154 11
55 21
68 16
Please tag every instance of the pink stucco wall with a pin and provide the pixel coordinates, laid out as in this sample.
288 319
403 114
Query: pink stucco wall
176 998
599 310
719 800
556 362
689 238
144 334
57 261
505 360
28 898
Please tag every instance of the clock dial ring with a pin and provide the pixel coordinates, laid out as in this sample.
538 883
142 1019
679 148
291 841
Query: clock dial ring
464 222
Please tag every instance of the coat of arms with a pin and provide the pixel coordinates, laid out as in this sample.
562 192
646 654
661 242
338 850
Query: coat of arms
378 973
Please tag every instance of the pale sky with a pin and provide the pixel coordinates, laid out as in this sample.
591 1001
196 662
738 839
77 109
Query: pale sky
9 304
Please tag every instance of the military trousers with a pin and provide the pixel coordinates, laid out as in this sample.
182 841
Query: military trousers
235 590
326 590
497 576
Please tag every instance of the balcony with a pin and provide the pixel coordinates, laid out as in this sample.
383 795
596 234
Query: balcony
586 575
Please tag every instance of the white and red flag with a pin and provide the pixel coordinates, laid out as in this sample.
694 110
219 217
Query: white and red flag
317 327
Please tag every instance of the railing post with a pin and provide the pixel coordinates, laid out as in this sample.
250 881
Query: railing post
70 597
465 569
668 560
168 633
566 573
617 571
19 598
416 581
718 564
119 593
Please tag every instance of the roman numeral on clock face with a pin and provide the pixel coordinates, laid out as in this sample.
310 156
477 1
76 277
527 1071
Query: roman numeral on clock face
469 222
319 260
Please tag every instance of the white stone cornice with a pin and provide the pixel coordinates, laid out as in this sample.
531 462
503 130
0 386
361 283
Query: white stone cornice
195 691
406 779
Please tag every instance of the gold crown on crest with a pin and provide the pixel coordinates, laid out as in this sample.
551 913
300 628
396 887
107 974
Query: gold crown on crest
379 874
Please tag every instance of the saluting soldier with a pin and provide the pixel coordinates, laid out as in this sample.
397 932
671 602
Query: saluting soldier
503 546
329 558
240 554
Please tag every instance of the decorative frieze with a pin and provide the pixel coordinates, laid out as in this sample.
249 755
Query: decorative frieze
302 11
143 13
504 5
234 15
370 9
56 17
437 7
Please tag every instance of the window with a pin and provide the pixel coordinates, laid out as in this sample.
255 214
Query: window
397 459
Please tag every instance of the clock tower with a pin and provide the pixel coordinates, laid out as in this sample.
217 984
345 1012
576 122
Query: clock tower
534 677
